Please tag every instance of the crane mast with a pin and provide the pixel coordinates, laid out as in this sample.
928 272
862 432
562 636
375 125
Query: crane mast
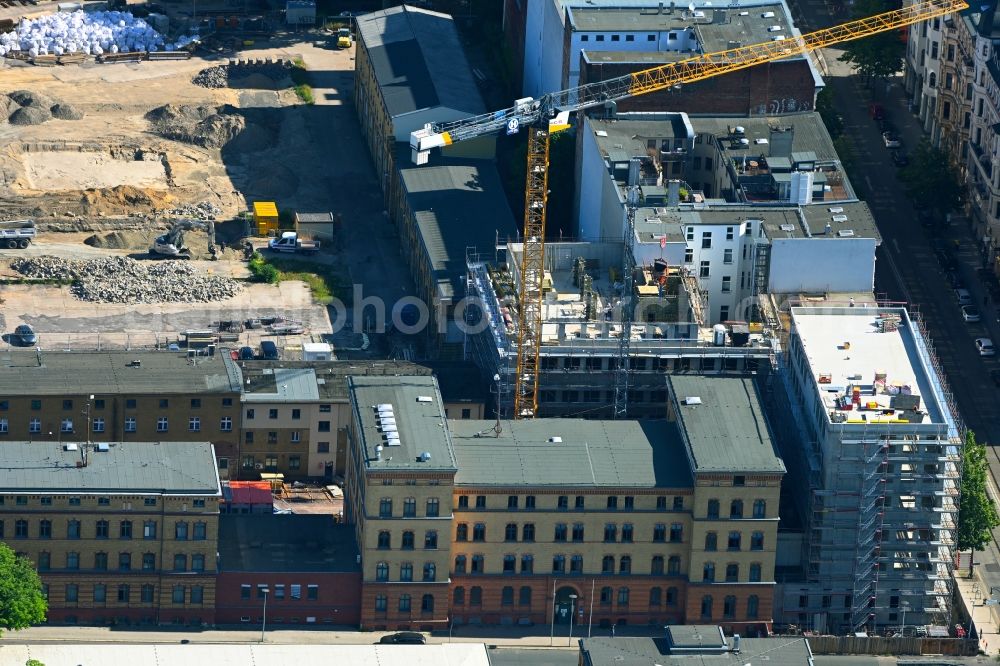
551 113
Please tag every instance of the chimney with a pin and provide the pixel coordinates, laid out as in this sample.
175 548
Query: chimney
736 643
673 192
660 11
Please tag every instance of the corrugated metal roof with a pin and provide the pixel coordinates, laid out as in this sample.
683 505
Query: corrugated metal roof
642 454
132 467
726 429
418 61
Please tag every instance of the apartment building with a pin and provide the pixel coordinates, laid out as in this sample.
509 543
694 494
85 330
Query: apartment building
958 74
922 76
398 497
296 413
501 522
122 396
121 532
874 458
557 43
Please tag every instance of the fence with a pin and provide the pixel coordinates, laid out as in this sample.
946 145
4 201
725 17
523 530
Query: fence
954 647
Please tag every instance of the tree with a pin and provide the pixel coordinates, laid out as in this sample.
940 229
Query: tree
826 106
931 182
977 515
21 601
879 55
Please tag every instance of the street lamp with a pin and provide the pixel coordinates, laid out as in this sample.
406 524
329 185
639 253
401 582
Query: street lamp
572 610
902 629
496 382
263 624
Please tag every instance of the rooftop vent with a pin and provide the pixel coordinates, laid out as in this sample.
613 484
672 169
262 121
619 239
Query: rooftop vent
774 28
767 15
424 398
744 13
787 227
103 447
692 400
761 142
70 447
777 38
393 440
845 233
425 456
836 209
740 130
601 133
555 440
839 218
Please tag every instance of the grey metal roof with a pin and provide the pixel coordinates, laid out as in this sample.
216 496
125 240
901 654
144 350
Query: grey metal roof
282 385
133 467
77 372
457 204
418 61
714 31
810 133
507 656
727 431
859 219
420 424
273 543
625 651
643 454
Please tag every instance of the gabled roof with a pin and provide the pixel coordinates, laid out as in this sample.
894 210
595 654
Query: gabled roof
418 61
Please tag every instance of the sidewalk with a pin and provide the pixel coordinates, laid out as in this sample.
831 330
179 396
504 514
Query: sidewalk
972 593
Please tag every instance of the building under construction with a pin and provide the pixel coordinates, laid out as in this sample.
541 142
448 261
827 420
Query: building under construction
873 471
581 328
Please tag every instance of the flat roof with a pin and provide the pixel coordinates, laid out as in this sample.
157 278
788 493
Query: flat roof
628 651
280 385
621 140
174 654
173 468
286 542
418 61
598 453
809 133
717 27
726 427
418 413
457 204
870 347
696 636
110 372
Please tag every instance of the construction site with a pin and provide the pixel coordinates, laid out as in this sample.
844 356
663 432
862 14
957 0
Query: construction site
124 162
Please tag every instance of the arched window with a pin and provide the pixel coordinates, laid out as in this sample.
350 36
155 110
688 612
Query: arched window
713 508
606 594
753 603
382 571
623 595
476 596
729 607
460 564
759 509
507 596
384 540
655 596
711 541
524 598
736 509
427 603
458 596
706 607
656 566
708 572
608 564
625 565
931 80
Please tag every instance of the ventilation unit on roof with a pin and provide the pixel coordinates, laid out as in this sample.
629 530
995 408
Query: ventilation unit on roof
839 218
836 209
845 233
392 441
774 28
424 398
601 133
555 440
767 15
787 227
761 142
103 447
692 400
744 13
777 38
70 447
384 406
425 456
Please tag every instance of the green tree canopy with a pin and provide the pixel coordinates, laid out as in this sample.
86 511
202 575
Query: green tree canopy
881 54
930 181
21 601
977 515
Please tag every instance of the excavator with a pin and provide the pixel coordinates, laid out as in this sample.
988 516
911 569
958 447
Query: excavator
551 113
171 244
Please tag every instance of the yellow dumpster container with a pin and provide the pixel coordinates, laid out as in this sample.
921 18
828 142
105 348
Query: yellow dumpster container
265 217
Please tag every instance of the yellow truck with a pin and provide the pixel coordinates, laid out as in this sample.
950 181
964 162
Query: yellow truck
344 38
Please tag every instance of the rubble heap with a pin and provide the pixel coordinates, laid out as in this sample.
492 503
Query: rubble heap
125 280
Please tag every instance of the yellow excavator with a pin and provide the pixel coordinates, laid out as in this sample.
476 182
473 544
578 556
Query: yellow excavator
551 113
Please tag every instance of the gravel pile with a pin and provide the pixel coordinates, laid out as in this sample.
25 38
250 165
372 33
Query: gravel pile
125 280
201 211
24 107
213 77
199 125
66 112
29 115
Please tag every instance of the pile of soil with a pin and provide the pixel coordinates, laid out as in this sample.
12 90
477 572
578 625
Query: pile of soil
211 127
24 107
124 200
140 241
29 115
66 112
29 98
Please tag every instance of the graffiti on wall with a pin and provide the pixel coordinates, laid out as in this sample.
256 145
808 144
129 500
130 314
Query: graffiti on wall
786 105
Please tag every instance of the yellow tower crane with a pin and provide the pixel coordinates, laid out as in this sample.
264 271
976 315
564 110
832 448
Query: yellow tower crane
551 113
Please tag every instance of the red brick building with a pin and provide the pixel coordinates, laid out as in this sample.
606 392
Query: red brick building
305 565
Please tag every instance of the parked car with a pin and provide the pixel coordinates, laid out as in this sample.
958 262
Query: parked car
899 158
963 296
970 313
268 351
891 140
404 638
985 347
24 336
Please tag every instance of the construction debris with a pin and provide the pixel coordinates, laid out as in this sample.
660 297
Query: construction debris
125 280
203 210
212 77
265 74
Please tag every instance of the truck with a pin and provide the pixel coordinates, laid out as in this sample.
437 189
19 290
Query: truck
344 38
289 241
17 233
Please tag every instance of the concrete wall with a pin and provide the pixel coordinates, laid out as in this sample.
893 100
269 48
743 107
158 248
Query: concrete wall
822 265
